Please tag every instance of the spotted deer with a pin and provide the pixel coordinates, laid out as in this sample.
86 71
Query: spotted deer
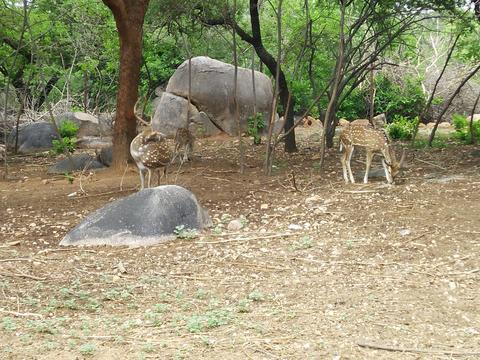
374 141
184 142
378 122
150 150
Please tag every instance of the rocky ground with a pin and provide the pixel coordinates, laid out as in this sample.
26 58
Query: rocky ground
319 270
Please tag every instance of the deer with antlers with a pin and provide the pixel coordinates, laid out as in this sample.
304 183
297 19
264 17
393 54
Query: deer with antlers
150 150
374 141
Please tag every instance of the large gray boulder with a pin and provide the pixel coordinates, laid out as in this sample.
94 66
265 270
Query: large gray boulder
94 142
105 156
33 137
106 121
144 218
171 113
77 162
88 124
212 93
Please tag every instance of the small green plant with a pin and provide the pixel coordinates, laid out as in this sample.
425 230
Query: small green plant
148 347
42 326
69 177
8 324
462 128
68 141
402 128
255 130
87 349
182 232
255 295
243 306
439 142
68 129
64 144
210 320
305 242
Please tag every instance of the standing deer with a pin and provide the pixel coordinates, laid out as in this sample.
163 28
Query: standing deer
150 150
374 141
184 142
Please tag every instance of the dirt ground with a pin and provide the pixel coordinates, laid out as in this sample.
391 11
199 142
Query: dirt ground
324 271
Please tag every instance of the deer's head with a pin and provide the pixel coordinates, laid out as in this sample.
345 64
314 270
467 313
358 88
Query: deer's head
394 166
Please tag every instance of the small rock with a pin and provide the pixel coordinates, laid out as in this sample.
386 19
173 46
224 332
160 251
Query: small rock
311 199
404 232
264 207
295 227
121 268
234 225
45 181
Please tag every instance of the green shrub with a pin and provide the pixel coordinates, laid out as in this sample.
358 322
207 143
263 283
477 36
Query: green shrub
255 131
67 142
406 99
64 144
395 100
462 128
402 128
68 129
354 106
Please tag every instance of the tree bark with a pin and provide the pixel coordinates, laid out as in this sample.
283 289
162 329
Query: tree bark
129 16
271 63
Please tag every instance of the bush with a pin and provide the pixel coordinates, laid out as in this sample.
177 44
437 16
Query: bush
462 128
355 106
395 100
255 131
67 142
406 100
68 129
402 128
64 144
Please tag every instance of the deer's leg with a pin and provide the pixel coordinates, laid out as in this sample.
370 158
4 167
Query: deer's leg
141 172
388 175
149 176
367 168
343 160
349 159
185 153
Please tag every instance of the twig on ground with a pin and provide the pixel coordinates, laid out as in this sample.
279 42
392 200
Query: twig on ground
216 178
414 350
247 239
12 243
461 272
108 193
46 251
20 259
23 275
19 314
430 163
359 191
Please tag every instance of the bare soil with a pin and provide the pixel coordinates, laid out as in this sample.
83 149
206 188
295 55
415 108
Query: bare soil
321 270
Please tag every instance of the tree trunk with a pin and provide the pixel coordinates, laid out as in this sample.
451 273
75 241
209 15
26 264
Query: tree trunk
129 16
329 124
